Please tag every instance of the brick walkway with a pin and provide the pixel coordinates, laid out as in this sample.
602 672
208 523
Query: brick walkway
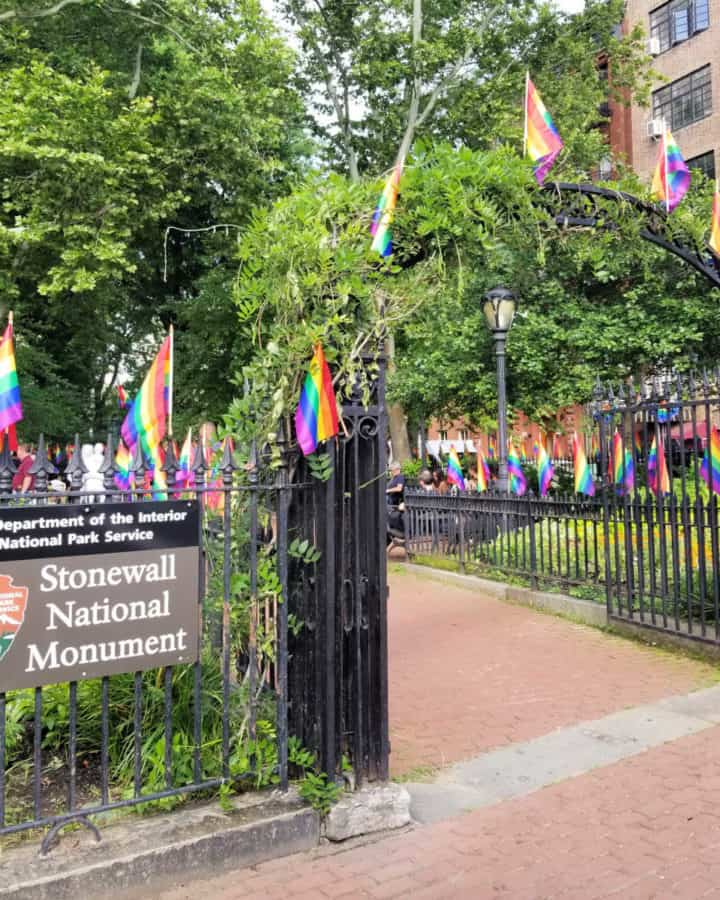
643 828
468 674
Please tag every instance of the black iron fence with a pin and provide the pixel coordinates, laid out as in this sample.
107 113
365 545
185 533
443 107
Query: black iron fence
647 544
292 641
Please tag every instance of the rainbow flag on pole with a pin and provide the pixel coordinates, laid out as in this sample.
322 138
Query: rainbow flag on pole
518 482
710 468
123 458
542 141
454 470
623 466
545 469
384 212
145 420
10 405
483 472
584 483
714 241
657 471
316 417
672 177
185 475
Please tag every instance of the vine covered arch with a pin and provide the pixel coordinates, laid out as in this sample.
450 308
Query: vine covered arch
590 206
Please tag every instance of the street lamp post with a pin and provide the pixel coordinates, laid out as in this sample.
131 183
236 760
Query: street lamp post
499 312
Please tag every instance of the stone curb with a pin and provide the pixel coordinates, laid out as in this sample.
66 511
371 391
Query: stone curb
177 855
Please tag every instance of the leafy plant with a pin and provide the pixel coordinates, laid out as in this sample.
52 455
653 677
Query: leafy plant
320 466
304 551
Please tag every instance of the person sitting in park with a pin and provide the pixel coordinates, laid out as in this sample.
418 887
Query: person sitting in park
426 481
23 481
396 488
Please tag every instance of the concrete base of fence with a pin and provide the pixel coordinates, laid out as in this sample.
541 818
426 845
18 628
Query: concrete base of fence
581 610
136 857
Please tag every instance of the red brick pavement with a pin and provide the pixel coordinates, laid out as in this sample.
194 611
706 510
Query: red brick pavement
646 827
470 673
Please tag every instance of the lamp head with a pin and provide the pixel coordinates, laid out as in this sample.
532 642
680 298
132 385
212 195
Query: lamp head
499 309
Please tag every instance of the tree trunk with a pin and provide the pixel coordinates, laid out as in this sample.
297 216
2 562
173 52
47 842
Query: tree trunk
397 420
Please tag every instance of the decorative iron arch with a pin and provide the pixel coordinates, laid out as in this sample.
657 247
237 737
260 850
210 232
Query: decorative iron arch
589 206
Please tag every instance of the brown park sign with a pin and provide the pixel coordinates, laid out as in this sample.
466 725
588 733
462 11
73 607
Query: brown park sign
90 590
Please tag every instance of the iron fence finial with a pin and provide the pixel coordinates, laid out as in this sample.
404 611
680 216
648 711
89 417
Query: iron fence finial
42 467
7 467
76 468
108 468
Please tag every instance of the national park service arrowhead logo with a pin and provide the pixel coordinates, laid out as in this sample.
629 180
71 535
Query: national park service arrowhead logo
13 603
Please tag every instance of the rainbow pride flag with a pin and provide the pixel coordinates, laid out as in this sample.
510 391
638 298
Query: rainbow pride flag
710 468
657 473
545 470
542 141
483 472
584 483
123 477
316 417
672 177
145 420
714 241
492 446
384 212
10 405
454 470
185 475
518 482
623 466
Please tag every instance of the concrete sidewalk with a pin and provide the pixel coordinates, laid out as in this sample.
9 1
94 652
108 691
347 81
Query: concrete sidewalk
591 769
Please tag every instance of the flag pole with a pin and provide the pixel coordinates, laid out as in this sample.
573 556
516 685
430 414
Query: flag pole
170 385
525 132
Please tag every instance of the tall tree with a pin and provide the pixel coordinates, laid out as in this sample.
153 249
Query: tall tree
118 119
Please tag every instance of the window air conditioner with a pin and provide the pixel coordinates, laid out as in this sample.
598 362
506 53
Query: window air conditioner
652 46
654 128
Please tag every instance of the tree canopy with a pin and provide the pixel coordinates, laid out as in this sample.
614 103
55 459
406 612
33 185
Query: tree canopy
117 120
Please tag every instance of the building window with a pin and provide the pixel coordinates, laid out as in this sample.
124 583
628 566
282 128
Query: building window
462 434
705 163
677 21
684 101
443 435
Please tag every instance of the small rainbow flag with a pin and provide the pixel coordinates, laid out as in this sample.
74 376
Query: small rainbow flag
122 460
122 397
185 474
518 483
384 212
10 405
483 472
710 468
542 141
492 446
584 483
637 438
145 420
623 466
714 242
316 417
545 470
672 177
657 472
454 470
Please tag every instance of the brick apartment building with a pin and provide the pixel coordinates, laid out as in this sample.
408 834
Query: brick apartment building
684 41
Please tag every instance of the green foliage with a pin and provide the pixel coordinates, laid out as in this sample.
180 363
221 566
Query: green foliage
320 466
303 551
315 787
411 468
114 124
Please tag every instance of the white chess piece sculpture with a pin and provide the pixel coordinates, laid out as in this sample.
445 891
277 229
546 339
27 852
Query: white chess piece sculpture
92 456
